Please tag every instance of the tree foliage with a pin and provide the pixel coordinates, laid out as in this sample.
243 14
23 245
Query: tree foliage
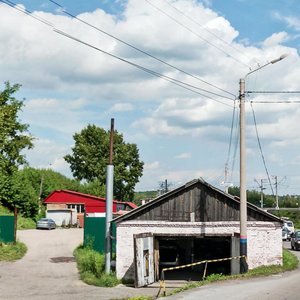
29 187
254 197
91 155
14 135
14 138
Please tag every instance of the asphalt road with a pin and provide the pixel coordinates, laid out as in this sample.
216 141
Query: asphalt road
48 271
277 287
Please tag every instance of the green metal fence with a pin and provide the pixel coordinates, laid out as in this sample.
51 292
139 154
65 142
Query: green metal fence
7 232
94 234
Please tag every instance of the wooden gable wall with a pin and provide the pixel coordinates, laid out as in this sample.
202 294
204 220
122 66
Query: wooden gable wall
198 203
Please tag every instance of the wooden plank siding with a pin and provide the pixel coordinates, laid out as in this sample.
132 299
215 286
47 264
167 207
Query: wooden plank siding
196 202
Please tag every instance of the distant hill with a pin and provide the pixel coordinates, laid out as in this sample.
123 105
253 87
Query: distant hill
139 196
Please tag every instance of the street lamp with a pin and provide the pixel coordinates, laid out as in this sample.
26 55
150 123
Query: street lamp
243 191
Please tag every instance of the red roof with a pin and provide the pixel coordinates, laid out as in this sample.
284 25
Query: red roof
92 203
70 197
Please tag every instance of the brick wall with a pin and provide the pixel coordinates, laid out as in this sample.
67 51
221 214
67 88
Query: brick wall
264 240
53 206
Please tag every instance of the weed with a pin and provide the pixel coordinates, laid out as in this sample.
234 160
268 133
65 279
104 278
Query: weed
25 223
11 251
91 266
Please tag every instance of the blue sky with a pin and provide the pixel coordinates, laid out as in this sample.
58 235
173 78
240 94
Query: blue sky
181 133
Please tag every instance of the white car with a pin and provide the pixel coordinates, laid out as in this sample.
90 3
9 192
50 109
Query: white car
289 225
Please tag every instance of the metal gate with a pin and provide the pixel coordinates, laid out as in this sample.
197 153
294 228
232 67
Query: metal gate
7 229
144 259
94 234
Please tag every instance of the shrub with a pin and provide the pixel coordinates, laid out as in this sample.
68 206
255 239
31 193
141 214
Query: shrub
91 266
25 223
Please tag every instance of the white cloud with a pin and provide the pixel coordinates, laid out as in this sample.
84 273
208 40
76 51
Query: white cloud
119 107
69 85
292 21
183 155
152 166
275 39
48 154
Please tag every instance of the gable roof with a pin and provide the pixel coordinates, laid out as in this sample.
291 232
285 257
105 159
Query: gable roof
251 208
48 199
72 193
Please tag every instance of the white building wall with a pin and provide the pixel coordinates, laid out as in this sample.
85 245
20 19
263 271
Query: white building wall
264 240
62 216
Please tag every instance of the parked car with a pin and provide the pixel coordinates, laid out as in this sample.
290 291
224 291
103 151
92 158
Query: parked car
286 234
45 223
288 224
295 240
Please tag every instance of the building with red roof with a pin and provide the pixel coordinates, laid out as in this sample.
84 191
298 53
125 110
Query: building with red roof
68 207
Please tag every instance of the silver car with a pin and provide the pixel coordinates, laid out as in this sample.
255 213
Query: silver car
45 223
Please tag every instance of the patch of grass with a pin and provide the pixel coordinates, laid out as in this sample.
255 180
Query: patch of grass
91 266
25 223
290 262
12 252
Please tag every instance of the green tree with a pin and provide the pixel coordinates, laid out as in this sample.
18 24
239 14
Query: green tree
254 197
14 138
91 155
44 181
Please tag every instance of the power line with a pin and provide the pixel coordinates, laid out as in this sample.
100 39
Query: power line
196 34
145 52
26 12
260 148
231 133
278 102
167 78
273 92
234 139
202 27
227 180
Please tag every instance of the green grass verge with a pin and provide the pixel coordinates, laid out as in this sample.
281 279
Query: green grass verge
91 266
11 251
25 223
290 262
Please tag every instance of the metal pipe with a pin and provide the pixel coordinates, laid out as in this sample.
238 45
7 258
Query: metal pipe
109 202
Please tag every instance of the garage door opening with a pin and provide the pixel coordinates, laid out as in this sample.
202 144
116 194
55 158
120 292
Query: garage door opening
176 251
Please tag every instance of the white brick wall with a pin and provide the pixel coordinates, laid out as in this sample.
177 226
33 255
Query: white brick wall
264 240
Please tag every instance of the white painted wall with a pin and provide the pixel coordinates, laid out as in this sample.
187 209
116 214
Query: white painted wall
264 240
62 216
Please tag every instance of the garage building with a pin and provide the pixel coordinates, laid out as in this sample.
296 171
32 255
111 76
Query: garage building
192 223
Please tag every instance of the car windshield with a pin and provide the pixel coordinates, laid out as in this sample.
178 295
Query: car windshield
44 219
298 234
290 224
